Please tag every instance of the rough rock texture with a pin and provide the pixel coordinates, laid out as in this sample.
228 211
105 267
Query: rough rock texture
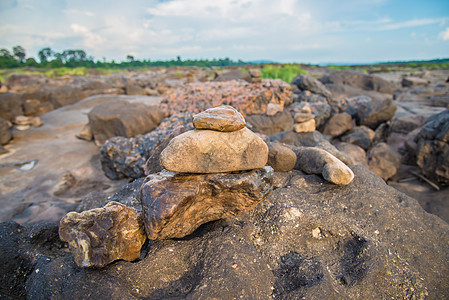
174 205
309 239
221 118
122 157
247 98
281 158
5 133
270 125
120 118
208 151
307 126
10 106
338 124
361 136
100 236
432 151
383 160
305 82
313 160
303 117
359 80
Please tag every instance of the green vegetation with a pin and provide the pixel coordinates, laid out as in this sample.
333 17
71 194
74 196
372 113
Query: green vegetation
284 72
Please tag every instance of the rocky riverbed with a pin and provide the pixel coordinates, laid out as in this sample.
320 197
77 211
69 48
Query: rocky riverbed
382 234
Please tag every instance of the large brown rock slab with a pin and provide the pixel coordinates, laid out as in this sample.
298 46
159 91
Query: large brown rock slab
220 118
100 236
175 205
209 151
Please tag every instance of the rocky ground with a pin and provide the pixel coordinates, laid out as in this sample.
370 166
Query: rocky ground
310 238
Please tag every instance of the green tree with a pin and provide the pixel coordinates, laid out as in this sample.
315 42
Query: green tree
45 54
130 58
19 53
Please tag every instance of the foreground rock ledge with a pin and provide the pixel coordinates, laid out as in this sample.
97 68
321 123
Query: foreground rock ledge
174 204
100 236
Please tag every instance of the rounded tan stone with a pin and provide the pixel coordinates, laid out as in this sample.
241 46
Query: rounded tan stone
208 151
308 126
221 118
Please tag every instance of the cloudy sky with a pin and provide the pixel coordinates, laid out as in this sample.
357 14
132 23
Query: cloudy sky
308 31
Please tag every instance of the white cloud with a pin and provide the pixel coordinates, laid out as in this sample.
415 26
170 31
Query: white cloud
90 39
410 23
444 35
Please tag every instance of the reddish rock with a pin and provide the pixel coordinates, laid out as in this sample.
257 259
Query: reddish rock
175 205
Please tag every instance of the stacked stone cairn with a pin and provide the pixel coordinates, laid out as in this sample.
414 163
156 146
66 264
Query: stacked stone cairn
215 171
304 121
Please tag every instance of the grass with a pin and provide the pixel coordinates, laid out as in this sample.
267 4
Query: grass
284 72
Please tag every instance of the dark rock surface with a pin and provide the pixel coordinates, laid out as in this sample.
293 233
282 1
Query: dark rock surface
361 136
175 204
305 82
10 106
432 152
270 125
119 118
5 133
309 239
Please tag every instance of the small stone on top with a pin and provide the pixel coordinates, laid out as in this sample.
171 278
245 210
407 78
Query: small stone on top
221 118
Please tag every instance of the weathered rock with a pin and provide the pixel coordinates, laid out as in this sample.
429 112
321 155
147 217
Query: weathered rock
313 160
208 151
307 126
309 97
175 205
309 239
232 75
100 236
383 160
338 124
5 133
255 73
320 110
357 153
86 133
361 136
221 118
303 117
305 82
120 118
281 158
10 106
274 108
413 81
36 122
269 125
126 157
359 80
432 151
65 95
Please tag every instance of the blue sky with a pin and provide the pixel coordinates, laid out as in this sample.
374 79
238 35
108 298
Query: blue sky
344 31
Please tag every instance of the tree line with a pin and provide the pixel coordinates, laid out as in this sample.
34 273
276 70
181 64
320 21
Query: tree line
49 58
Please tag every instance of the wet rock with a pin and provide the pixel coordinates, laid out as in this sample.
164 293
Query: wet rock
313 160
281 158
221 118
100 236
413 81
338 124
305 82
307 126
361 136
125 157
175 205
208 151
5 133
117 118
384 161
268 125
10 106
432 150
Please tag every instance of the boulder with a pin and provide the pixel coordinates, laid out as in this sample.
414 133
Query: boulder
413 81
270 125
383 160
100 236
208 151
305 82
221 118
175 205
432 148
120 118
10 106
338 124
281 158
309 239
361 136
5 133
65 95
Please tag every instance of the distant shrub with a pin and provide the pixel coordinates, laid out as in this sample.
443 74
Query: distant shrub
284 72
